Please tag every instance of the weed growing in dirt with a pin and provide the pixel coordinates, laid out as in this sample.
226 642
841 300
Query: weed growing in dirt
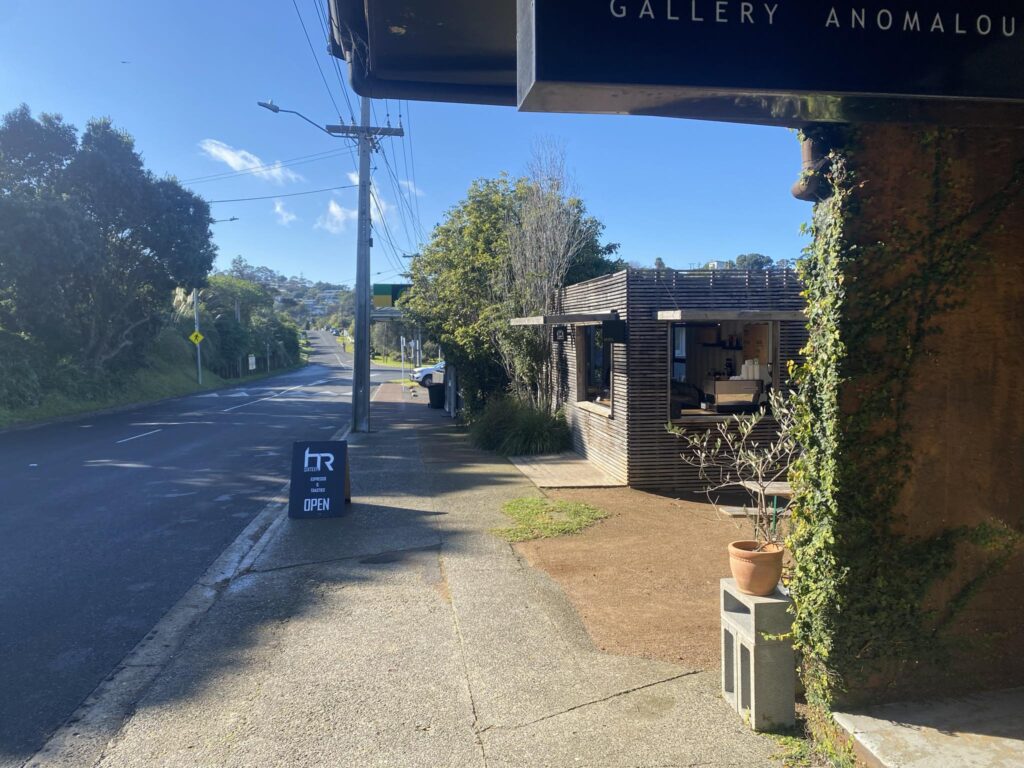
796 750
544 518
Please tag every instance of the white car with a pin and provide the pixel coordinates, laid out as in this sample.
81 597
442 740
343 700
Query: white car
428 374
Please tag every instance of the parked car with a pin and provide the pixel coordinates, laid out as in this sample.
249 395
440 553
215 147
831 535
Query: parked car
428 374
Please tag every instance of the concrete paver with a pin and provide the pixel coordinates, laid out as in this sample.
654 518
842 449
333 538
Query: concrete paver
984 730
405 634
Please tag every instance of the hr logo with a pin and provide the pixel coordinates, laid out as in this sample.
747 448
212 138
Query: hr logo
326 458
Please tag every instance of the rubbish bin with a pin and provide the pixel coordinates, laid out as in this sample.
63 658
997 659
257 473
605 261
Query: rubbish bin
436 395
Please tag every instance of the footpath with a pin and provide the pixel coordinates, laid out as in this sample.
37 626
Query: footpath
406 634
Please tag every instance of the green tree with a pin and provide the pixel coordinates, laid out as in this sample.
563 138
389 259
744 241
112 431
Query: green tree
92 245
459 285
753 261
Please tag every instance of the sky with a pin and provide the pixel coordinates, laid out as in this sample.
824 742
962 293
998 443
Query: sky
184 77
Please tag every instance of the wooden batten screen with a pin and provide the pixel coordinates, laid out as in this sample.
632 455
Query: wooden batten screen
653 453
600 437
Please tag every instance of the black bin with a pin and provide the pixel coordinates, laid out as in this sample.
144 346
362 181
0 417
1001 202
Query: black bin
436 395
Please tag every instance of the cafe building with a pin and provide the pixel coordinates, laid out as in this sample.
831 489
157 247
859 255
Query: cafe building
638 349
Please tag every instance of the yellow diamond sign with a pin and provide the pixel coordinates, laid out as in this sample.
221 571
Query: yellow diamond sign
196 337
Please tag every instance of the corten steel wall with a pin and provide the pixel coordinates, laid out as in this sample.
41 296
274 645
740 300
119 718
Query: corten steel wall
601 438
965 407
654 461
633 445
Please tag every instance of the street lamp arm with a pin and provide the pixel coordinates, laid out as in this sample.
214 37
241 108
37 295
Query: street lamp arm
275 109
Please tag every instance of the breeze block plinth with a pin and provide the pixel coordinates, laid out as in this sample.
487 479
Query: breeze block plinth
758 671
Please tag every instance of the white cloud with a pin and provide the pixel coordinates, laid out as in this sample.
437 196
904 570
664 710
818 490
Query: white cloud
410 186
243 160
284 216
337 218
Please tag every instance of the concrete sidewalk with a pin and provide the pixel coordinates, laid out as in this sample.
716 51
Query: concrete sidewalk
405 634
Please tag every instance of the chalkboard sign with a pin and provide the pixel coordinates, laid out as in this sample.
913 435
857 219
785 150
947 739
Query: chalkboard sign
320 484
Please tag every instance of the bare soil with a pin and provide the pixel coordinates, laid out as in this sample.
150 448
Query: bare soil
645 580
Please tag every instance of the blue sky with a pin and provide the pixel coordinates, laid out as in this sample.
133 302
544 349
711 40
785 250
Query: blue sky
687 191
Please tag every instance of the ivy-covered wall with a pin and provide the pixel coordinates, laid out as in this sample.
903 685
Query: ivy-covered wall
909 516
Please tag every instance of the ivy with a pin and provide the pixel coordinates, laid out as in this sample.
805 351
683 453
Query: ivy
860 581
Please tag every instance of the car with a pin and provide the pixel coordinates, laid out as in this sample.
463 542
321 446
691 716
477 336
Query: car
428 374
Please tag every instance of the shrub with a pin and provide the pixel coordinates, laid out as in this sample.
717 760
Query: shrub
511 427
19 382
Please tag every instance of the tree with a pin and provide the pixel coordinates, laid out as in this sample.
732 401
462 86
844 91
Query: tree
547 230
753 261
659 263
453 294
461 281
92 245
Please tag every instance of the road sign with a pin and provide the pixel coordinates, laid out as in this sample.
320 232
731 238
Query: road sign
252 362
195 337
320 479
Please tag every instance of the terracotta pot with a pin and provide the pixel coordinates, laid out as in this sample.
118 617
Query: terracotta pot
756 573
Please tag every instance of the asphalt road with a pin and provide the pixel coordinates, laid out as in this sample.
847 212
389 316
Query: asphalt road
106 521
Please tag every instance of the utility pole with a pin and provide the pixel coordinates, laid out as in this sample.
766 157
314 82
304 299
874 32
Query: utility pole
368 137
199 353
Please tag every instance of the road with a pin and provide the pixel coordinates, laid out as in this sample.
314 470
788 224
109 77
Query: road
106 521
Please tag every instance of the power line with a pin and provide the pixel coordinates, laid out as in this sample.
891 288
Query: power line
256 169
290 194
324 16
412 162
316 60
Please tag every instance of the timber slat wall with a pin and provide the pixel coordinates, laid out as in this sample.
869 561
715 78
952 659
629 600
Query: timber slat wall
654 461
634 446
600 438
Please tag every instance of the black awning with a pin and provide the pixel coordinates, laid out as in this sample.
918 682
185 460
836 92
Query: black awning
453 51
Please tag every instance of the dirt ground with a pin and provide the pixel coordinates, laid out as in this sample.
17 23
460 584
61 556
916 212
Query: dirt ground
644 581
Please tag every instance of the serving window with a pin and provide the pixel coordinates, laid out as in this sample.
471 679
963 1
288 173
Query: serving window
594 360
720 367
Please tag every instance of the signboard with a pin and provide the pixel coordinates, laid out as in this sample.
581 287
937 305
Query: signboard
781 61
387 294
560 334
252 362
196 337
320 484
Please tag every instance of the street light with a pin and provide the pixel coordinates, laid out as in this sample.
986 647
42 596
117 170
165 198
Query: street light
275 109
220 221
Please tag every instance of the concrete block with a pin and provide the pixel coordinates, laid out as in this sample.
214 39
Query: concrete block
758 670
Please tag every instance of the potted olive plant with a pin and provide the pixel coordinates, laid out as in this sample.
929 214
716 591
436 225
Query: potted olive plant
730 457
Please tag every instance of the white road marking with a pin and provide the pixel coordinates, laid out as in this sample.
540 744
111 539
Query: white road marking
212 394
253 402
238 394
136 437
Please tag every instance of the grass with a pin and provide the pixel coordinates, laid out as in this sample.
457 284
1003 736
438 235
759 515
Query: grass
167 376
796 749
511 427
545 518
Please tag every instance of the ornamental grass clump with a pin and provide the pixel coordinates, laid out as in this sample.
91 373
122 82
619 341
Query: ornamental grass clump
512 427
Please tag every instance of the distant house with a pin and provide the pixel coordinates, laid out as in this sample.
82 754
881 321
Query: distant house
640 348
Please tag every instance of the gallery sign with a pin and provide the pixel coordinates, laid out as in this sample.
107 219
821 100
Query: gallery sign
780 61
320 484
